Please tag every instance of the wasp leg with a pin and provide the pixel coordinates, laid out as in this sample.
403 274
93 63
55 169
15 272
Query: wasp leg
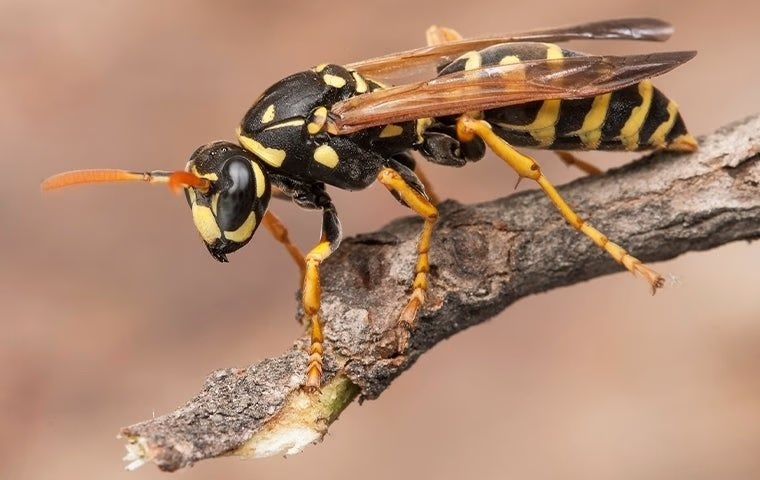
526 167
436 35
407 160
274 226
312 291
572 161
406 193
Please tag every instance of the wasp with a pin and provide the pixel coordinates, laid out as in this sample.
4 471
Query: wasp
349 126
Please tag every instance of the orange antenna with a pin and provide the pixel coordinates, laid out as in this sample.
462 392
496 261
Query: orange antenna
175 180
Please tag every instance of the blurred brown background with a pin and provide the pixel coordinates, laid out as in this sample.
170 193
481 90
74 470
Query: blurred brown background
110 304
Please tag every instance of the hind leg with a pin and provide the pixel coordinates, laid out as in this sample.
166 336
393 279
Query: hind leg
526 167
571 160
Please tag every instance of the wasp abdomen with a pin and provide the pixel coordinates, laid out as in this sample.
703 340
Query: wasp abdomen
638 117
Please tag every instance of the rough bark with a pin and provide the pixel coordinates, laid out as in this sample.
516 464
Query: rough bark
484 257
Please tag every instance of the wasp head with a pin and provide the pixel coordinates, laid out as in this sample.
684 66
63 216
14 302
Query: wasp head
229 207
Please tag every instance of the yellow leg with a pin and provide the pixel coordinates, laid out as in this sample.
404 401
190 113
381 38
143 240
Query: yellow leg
436 35
280 233
312 294
572 161
526 167
394 183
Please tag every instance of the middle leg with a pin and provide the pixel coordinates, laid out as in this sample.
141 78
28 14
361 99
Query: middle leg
411 197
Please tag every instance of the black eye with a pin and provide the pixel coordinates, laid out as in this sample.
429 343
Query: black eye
236 199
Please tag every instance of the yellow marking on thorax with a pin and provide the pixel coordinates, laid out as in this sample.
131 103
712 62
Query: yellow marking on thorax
658 137
326 155
334 80
268 115
261 183
205 222
422 125
244 231
590 132
629 134
291 123
320 67
361 84
271 156
391 131
473 60
319 117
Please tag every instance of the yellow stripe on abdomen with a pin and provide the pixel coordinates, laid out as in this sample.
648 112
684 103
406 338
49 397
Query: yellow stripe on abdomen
658 138
543 128
590 132
629 134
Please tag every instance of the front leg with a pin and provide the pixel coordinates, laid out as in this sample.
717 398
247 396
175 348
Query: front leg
313 197
312 291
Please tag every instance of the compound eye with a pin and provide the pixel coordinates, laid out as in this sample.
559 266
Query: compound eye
235 202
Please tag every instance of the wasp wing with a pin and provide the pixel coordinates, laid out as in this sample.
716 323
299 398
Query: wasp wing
500 86
422 62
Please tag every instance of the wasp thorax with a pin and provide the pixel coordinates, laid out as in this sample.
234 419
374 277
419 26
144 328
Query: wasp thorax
227 214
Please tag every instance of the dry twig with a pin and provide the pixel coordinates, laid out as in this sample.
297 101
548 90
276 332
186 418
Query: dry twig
484 257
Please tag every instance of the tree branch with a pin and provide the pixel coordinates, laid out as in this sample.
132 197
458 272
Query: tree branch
484 257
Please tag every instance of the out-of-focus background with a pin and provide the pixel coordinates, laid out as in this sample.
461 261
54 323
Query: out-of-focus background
110 304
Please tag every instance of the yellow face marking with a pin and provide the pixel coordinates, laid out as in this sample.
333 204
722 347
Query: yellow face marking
271 156
334 80
326 155
361 84
629 134
658 137
473 61
209 176
320 67
205 222
244 231
590 132
391 131
291 123
509 60
268 115
318 121
261 183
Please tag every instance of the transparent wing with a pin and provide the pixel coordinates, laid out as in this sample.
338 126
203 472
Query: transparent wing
422 62
500 86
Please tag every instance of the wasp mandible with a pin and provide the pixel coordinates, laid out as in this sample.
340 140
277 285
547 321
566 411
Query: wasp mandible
349 126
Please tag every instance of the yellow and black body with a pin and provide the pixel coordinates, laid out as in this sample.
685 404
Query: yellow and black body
342 126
